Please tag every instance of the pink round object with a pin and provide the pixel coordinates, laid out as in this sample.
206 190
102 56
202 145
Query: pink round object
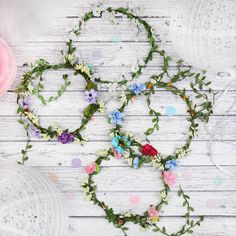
7 66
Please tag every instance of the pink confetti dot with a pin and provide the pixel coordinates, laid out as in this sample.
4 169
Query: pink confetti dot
76 163
70 195
134 200
186 175
211 203
53 177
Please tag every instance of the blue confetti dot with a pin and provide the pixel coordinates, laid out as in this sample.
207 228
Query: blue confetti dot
170 111
90 66
218 181
116 38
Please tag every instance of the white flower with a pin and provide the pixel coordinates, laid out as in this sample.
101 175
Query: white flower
97 11
30 88
163 195
181 152
33 118
69 58
129 134
102 107
141 62
102 152
112 88
156 162
135 67
128 213
45 137
123 97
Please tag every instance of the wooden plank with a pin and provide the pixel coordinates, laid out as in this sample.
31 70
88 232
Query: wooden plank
171 128
196 178
204 203
56 154
96 53
225 226
160 8
160 102
99 29
53 78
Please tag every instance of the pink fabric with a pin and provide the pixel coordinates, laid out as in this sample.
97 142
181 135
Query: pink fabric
7 67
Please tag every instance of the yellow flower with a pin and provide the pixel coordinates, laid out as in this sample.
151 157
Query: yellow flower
33 118
102 107
102 152
69 57
83 68
46 137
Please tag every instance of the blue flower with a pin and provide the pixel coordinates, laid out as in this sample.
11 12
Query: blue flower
119 142
136 162
171 164
137 88
116 117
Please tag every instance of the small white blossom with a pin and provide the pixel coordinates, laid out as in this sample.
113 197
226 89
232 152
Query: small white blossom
181 152
102 152
123 97
97 11
102 107
33 118
45 137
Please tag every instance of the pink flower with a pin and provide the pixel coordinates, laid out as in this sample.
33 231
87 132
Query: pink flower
90 169
169 177
117 154
153 214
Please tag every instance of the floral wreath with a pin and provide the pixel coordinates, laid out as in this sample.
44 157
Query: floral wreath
111 13
128 148
27 86
32 84
122 141
149 219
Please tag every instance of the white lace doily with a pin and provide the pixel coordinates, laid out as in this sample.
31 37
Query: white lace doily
204 33
30 205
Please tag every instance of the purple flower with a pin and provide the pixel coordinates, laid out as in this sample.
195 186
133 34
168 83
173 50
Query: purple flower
25 103
91 96
35 132
66 137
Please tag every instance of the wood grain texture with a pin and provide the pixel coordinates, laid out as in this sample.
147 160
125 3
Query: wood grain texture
225 226
212 193
87 153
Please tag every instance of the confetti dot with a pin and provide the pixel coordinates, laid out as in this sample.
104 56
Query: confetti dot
96 55
211 203
76 163
70 195
53 177
116 38
90 66
186 175
134 200
170 111
218 181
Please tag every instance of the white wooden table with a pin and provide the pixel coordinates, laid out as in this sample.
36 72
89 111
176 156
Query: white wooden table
212 193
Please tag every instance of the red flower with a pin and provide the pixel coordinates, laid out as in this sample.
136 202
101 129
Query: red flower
120 221
149 150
